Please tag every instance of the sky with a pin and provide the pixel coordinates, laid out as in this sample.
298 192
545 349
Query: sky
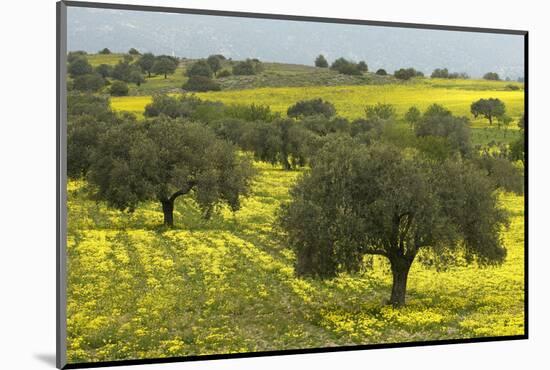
299 42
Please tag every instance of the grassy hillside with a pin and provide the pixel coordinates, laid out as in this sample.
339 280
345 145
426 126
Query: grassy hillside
137 290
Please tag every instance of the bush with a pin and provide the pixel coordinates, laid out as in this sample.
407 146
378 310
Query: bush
133 51
201 83
511 87
346 67
119 88
407 73
311 108
247 67
104 51
199 68
73 55
491 76
79 67
104 70
362 66
224 73
251 112
321 62
380 111
381 72
91 82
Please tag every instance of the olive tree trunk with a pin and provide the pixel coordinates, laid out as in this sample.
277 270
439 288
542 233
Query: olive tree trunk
400 267
168 210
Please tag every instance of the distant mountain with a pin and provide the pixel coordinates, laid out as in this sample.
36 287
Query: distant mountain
196 36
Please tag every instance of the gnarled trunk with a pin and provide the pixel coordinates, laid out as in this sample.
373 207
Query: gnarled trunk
400 267
168 210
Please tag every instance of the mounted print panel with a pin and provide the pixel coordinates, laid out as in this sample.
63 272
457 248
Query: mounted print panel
234 184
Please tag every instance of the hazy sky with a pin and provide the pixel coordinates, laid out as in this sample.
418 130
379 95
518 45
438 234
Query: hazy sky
196 36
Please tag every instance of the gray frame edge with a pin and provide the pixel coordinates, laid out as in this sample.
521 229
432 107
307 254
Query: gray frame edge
61 187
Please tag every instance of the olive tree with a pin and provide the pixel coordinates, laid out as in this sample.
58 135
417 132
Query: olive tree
321 61
164 159
164 66
488 108
362 200
412 116
146 62
439 121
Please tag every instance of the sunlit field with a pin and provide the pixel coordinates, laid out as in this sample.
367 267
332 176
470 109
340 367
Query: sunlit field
350 101
139 290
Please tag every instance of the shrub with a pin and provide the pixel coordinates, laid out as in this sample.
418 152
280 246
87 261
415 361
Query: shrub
199 68
380 111
79 66
119 88
133 51
201 83
406 73
104 51
247 67
104 70
91 82
321 62
224 73
311 108
491 76
381 72
362 66
346 67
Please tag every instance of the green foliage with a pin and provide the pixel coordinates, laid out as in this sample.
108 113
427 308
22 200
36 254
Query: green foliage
184 106
439 121
407 73
90 82
104 51
503 173
105 70
146 62
73 55
201 83
321 61
344 66
200 68
413 115
119 88
79 66
83 133
252 112
165 159
215 63
311 107
282 141
381 72
247 67
444 73
133 51
87 104
381 111
359 200
362 66
493 76
136 77
164 65
224 73
489 108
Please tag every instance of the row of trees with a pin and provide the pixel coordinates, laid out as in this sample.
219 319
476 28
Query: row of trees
373 188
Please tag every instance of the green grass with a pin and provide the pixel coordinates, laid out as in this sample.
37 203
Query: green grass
137 290
110 59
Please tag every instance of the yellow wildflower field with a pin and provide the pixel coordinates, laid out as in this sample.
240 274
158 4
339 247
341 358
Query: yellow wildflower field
138 290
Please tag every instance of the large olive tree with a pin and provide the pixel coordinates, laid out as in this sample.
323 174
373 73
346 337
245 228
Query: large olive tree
163 159
362 200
